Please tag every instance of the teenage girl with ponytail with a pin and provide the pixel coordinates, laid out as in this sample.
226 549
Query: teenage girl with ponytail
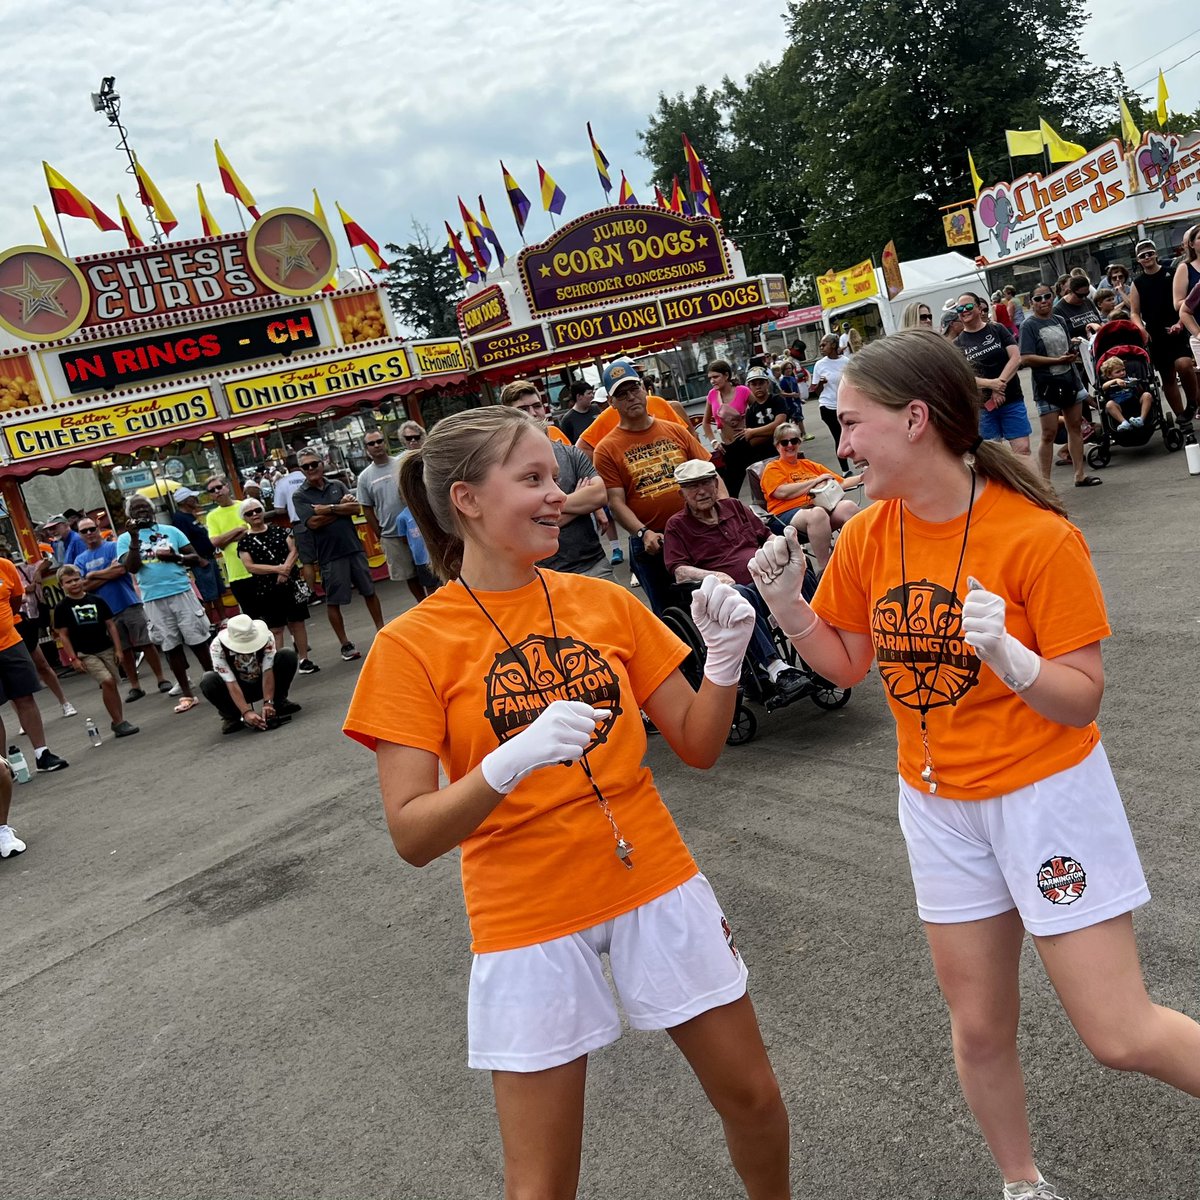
526 686
978 599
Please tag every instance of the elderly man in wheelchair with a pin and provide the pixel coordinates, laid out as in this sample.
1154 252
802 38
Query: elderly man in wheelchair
714 536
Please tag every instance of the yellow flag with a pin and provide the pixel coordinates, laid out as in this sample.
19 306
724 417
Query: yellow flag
1061 151
1129 129
318 211
1023 141
47 236
976 182
208 225
1162 101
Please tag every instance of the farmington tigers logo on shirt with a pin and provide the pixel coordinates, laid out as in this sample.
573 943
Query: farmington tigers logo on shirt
919 647
522 681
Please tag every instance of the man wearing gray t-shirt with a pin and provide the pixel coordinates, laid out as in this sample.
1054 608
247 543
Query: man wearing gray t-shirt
379 495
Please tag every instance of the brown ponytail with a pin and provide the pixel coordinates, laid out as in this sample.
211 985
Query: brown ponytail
915 364
462 448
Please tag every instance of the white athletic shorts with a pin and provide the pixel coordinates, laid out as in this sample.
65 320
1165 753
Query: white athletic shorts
544 1005
176 620
1059 851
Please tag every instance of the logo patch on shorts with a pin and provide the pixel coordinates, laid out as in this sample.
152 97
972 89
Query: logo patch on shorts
1062 879
727 930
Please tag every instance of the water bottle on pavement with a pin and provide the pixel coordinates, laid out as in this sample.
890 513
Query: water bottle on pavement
93 733
20 767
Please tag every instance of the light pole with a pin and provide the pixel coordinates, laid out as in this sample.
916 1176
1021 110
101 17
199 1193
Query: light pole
108 101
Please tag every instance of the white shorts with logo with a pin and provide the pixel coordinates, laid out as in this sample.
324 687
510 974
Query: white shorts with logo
177 620
1059 851
544 1005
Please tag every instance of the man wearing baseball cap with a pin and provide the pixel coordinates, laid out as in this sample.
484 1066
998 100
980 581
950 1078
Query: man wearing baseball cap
714 536
247 668
637 462
1152 307
64 541
206 573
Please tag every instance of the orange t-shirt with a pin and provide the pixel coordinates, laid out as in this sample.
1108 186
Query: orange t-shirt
607 421
12 593
644 465
556 435
777 472
984 740
440 678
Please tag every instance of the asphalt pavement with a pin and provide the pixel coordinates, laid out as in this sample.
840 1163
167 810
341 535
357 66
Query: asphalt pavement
217 979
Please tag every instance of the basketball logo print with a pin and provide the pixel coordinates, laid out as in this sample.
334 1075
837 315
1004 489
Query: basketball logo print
919 646
1061 879
523 680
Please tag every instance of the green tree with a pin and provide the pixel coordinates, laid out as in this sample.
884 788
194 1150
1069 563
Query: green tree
423 286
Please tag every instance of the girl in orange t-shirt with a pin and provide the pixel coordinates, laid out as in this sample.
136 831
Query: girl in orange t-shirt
979 602
526 686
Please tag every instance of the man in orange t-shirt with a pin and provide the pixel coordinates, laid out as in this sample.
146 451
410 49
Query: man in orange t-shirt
18 675
637 462
658 407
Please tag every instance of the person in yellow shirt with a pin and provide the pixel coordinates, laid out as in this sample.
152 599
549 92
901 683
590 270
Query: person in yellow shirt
226 528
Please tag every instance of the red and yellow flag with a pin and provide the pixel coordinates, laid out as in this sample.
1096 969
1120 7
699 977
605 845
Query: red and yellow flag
152 198
208 226
47 237
356 235
132 236
233 184
676 205
69 201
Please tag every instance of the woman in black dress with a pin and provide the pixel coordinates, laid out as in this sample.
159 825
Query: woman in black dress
269 554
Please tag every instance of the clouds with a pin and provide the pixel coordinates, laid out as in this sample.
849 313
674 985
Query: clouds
391 108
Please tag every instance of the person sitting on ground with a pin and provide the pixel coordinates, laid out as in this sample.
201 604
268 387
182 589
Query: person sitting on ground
158 556
788 483
84 625
206 573
714 536
268 552
247 668
1121 396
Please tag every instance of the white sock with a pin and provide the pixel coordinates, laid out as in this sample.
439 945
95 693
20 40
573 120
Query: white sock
37 751
775 669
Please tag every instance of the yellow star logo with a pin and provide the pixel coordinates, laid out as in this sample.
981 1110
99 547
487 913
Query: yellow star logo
702 240
292 252
37 295
544 271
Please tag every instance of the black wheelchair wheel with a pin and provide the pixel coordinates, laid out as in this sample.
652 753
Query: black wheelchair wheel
827 696
744 727
1172 439
1099 456
680 624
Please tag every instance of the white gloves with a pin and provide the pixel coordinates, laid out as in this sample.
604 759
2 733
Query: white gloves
560 734
984 632
778 568
725 619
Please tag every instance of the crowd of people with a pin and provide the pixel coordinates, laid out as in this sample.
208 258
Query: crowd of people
117 599
1052 329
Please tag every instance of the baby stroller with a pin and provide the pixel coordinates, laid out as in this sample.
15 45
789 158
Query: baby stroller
1124 340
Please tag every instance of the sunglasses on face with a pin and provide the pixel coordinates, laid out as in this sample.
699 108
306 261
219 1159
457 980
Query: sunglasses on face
925 317
252 512
789 441
309 466
963 308
377 442
1147 254
1044 296
88 529
214 487
413 437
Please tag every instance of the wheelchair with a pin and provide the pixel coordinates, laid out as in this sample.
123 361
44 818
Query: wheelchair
754 687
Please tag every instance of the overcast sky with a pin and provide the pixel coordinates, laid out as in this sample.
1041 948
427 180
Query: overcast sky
395 109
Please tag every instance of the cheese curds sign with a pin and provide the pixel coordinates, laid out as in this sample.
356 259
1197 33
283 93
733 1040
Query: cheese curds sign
621 253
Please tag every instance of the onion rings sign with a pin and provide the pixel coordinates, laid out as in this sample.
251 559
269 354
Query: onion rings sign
618 253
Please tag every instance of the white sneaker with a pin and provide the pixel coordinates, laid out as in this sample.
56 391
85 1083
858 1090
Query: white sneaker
1024 1190
69 710
178 691
9 842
